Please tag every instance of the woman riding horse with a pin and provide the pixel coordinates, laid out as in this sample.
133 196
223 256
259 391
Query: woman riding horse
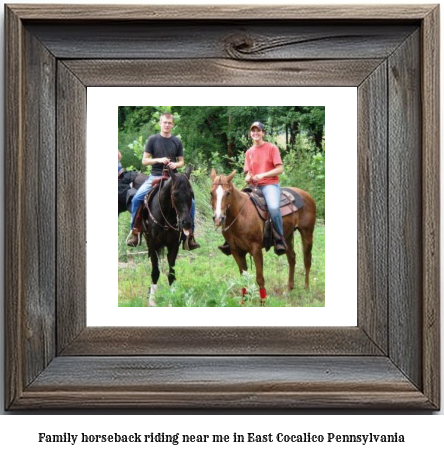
262 167
243 228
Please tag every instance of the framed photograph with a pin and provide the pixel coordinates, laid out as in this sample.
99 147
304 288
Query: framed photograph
389 359
207 289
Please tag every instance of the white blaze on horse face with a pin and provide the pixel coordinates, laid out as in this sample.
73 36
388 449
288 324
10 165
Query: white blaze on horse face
219 196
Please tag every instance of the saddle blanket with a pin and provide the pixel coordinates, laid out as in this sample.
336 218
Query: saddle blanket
290 201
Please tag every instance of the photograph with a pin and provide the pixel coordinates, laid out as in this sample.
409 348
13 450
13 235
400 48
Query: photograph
217 104
221 206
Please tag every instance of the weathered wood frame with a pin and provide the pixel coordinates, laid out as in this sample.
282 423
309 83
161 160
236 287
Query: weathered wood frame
390 360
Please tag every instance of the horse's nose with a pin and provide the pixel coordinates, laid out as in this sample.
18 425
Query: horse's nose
218 220
187 223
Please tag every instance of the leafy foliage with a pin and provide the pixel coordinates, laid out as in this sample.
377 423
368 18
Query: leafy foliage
218 136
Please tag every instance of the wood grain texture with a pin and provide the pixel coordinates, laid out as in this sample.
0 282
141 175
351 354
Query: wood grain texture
71 206
208 72
220 12
13 208
223 382
94 341
38 222
103 367
431 204
245 40
404 209
372 207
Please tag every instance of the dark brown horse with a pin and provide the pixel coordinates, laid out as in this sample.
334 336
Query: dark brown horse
243 228
166 215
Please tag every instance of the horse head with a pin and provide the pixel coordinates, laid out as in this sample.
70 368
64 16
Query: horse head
181 198
221 190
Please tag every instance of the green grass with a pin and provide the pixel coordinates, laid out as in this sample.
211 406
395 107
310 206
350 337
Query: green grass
208 278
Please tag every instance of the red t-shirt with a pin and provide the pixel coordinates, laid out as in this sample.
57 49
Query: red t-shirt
261 159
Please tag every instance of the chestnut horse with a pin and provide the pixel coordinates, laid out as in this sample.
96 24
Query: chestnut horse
243 228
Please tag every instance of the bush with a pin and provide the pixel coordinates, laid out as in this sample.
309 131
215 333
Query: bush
307 173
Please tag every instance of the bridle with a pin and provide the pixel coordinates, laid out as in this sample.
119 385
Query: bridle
228 206
167 224
176 228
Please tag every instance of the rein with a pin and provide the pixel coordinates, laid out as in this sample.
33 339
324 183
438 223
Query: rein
175 228
228 207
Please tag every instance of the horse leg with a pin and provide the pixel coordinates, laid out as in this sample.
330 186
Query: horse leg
240 260
155 273
291 258
259 264
307 244
242 264
172 255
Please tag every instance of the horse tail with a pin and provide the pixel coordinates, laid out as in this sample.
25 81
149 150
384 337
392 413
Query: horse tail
159 252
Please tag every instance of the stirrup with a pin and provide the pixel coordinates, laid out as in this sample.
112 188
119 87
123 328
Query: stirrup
192 244
189 243
280 246
135 240
226 249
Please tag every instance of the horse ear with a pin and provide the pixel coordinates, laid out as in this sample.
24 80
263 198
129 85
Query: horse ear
213 174
172 174
188 172
230 177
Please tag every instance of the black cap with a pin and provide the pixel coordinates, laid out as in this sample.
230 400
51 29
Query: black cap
258 125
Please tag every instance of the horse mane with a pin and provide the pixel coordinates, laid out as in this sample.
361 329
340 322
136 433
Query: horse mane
167 184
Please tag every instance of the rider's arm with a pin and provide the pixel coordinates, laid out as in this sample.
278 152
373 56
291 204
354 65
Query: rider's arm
278 169
180 162
147 160
247 172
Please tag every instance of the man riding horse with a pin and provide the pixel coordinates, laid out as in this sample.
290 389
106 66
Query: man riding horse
262 167
161 150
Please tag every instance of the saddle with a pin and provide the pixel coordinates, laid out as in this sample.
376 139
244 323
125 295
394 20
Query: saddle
290 202
155 185
158 180
138 220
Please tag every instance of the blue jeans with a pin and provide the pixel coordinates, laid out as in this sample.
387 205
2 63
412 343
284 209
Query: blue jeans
272 195
140 196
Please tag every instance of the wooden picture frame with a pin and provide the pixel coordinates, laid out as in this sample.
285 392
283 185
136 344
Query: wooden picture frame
390 360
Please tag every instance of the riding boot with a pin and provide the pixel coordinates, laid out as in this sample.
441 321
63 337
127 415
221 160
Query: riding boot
189 243
226 249
134 239
280 246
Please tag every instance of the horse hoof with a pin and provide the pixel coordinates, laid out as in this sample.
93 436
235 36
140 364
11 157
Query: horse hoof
151 300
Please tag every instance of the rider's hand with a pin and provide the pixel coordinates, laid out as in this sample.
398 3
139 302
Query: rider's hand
172 165
163 160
